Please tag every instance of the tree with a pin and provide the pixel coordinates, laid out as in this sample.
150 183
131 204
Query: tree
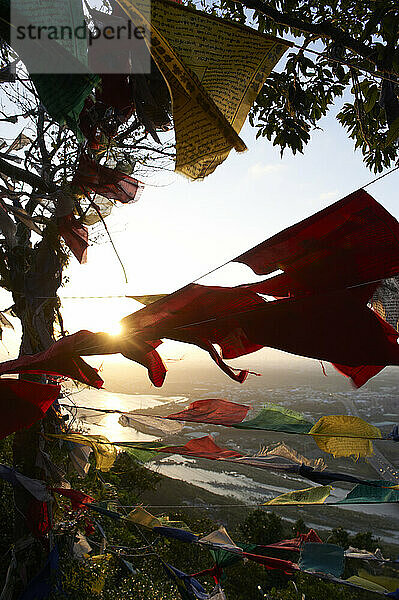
347 48
262 527
43 218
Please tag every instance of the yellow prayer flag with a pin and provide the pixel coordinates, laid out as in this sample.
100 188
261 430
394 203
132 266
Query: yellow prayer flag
142 517
344 425
214 70
105 453
314 495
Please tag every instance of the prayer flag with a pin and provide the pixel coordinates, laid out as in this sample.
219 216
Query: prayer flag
214 70
110 183
215 411
321 311
277 418
375 492
35 487
41 586
104 452
140 516
176 534
322 558
75 235
295 544
203 447
79 500
344 425
314 495
23 403
150 425
188 587
273 563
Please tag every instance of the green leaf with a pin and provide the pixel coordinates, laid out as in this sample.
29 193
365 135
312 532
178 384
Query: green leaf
371 99
393 133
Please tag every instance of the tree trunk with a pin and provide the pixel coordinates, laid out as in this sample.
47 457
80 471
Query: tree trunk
36 277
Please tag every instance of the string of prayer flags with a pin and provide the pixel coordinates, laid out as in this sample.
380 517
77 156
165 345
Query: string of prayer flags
355 238
104 452
345 425
110 183
214 411
205 447
214 70
23 403
322 558
352 436
313 495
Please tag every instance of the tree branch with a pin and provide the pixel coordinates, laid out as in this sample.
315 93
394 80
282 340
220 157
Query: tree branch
324 29
31 179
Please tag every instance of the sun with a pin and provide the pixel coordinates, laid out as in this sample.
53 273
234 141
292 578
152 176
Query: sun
102 314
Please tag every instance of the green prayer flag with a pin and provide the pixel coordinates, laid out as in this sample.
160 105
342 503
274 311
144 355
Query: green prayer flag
276 418
322 558
224 558
62 94
376 491
142 451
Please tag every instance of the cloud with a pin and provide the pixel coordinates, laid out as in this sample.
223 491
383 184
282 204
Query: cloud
259 169
333 195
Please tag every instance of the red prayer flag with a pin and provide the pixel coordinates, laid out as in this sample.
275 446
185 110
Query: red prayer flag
329 261
110 183
75 236
353 241
78 499
63 357
296 544
22 403
203 447
215 411
38 518
59 359
273 563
